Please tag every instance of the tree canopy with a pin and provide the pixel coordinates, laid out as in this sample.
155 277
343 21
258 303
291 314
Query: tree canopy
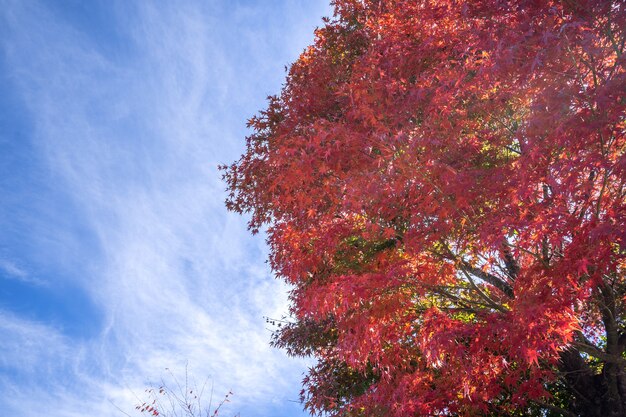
444 185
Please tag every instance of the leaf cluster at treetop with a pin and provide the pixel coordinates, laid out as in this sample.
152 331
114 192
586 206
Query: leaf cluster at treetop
444 185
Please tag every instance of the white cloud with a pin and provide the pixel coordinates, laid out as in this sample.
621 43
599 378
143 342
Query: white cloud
11 269
28 346
15 272
135 140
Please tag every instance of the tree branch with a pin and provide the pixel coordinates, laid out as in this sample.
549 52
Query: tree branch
488 278
556 409
598 354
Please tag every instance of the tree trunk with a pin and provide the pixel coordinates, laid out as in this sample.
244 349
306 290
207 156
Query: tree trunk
594 395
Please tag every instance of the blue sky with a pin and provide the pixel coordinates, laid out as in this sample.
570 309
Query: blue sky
117 257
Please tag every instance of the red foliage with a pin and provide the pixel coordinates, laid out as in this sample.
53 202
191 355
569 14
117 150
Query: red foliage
444 185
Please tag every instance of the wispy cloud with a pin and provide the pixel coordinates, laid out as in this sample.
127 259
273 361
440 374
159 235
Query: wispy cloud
135 138
27 346
12 271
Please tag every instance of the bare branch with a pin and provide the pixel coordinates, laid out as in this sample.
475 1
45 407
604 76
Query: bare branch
488 278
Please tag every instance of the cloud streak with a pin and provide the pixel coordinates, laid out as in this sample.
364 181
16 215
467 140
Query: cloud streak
12 271
134 139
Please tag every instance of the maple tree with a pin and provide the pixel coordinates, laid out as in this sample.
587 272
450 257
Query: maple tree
443 183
